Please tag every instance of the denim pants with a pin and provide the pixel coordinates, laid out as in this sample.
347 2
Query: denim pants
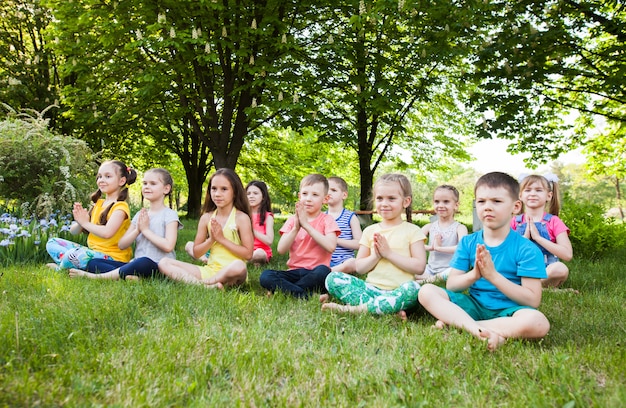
143 267
299 282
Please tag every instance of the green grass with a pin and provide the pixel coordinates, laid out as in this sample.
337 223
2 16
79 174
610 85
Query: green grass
158 343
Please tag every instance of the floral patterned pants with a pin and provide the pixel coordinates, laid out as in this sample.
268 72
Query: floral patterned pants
354 291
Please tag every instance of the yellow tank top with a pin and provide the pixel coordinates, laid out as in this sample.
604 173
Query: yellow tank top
219 255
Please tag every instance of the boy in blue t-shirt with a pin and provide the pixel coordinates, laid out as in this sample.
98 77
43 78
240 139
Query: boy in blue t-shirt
502 270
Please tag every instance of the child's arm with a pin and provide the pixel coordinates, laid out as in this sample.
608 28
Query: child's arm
114 223
288 237
244 228
366 260
461 231
268 237
413 264
459 280
562 248
327 241
202 243
353 243
426 231
528 294
165 244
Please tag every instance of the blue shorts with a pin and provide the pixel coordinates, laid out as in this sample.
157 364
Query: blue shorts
478 311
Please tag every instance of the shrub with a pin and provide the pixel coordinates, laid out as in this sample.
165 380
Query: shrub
48 171
23 238
593 235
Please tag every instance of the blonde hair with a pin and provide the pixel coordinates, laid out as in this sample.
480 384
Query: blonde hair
554 205
405 188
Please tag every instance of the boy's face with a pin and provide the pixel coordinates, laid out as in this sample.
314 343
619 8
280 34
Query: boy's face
312 197
335 194
495 207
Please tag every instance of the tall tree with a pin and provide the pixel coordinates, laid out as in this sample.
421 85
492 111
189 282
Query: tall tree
380 76
545 59
27 64
184 74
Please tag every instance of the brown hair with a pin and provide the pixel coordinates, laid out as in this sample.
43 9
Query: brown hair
240 200
342 183
554 206
449 188
498 179
266 204
314 179
122 171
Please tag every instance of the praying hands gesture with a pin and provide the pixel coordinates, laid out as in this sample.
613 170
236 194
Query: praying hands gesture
81 215
143 222
484 264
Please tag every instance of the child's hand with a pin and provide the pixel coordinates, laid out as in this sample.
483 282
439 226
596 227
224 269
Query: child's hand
381 246
301 217
143 221
438 242
484 264
81 215
216 231
531 230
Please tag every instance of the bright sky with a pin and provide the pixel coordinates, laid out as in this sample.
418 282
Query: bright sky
491 155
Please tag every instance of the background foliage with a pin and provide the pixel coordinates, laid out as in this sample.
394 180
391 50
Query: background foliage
41 169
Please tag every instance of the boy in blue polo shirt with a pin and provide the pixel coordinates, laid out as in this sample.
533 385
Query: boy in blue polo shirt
502 271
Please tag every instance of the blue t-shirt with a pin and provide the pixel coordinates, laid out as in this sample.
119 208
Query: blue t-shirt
516 258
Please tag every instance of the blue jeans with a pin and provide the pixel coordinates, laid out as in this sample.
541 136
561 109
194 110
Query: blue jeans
143 267
299 282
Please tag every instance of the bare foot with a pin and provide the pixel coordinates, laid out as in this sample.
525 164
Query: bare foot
494 340
402 315
324 298
440 325
344 308
131 278
217 285
52 265
75 273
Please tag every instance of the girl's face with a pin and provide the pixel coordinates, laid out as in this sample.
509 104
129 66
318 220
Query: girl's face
390 201
535 195
108 179
222 192
255 196
153 188
445 203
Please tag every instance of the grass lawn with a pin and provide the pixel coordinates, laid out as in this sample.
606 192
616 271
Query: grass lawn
80 342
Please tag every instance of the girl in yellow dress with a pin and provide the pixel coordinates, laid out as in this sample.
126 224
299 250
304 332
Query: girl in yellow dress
224 229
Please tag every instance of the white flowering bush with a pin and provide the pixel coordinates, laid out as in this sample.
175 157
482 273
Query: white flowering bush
23 239
39 167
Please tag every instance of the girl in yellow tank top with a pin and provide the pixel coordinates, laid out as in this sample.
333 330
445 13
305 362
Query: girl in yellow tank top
224 229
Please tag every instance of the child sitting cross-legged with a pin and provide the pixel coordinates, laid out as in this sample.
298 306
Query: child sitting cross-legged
501 269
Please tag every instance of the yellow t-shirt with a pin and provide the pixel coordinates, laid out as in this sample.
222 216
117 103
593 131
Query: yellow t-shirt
386 275
219 257
109 245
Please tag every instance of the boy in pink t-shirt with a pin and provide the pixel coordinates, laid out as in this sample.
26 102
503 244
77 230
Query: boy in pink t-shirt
310 236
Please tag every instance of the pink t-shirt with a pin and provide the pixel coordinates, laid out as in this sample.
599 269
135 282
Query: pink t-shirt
305 252
554 226
256 224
